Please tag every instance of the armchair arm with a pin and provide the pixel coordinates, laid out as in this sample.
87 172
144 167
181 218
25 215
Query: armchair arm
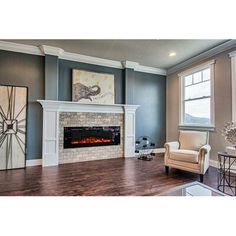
204 158
171 146
205 149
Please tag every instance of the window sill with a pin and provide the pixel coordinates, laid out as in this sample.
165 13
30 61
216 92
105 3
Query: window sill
197 127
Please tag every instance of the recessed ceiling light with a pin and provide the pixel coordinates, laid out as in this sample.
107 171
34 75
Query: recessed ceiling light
172 54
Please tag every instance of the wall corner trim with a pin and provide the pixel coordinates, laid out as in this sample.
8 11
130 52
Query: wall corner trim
43 50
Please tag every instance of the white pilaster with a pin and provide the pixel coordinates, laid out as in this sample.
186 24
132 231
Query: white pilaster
129 131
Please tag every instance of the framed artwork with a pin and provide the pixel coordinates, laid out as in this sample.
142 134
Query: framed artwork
13 122
92 87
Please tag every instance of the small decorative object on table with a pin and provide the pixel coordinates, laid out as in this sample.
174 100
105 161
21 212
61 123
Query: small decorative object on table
144 148
229 132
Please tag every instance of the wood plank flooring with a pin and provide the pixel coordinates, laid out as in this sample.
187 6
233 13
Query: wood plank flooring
113 177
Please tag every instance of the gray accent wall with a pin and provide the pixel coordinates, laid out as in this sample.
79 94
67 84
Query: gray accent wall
27 70
129 85
65 79
51 78
149 91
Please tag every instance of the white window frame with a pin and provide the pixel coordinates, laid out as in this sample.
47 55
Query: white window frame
211 127
232 56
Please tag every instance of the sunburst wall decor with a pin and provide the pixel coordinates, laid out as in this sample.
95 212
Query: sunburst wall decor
13 120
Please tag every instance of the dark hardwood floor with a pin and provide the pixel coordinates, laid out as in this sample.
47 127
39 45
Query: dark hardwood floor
111 177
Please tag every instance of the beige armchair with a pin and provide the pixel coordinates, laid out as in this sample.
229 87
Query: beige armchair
190 153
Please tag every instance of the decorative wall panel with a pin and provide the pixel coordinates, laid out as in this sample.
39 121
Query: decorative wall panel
13 120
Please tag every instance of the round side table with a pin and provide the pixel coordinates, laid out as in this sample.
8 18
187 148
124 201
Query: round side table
226 173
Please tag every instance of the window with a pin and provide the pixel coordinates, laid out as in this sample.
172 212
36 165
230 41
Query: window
197 97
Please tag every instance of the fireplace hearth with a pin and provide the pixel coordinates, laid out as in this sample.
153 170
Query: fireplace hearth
78 137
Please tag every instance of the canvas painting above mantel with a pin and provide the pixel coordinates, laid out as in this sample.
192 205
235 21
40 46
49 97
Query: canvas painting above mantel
92 87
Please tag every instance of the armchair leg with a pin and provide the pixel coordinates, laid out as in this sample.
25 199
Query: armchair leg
167 169
201 178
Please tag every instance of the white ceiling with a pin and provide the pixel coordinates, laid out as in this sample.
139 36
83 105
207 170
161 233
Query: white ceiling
154 53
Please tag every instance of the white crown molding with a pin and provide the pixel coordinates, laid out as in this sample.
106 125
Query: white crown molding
48 50
22 48
216 50
43 50
146 69
130 64
151 70
90 60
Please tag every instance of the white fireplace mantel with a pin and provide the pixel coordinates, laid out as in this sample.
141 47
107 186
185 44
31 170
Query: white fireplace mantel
51 110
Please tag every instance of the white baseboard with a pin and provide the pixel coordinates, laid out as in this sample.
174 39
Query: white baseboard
159 150
155 150
214 163
34 162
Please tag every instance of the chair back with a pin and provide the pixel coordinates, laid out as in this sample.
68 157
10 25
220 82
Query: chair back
192 140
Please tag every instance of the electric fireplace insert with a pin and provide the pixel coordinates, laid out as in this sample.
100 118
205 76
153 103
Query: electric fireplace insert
77 137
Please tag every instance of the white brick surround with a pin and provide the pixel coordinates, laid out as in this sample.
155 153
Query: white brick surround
57 114
73 119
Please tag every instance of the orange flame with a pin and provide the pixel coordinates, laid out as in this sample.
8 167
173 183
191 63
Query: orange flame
91 140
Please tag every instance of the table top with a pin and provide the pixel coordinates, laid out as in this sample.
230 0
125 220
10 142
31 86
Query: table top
225 154
193 189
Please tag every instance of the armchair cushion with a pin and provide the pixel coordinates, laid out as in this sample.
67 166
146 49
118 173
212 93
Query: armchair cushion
184 155
192 140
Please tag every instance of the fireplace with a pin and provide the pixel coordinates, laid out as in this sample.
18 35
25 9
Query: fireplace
77 137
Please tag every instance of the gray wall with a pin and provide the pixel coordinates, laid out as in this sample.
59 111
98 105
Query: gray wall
27 70
223 109
65 79
147 90
51 77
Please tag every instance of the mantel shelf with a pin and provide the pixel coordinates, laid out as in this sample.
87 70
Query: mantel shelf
86 107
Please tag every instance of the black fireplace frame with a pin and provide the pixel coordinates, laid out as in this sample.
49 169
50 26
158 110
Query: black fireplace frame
114 134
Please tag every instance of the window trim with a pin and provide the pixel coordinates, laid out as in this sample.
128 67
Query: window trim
209 64
232 56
